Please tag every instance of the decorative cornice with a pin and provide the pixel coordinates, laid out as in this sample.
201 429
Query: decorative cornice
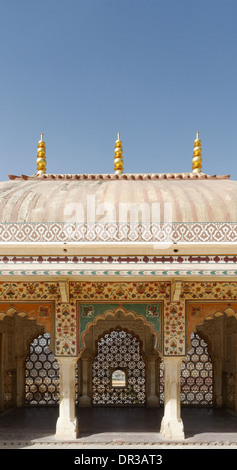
171 266
167 234
121 260
123 176
176 290
121 273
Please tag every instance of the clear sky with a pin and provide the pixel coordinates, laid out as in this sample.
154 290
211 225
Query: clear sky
82 70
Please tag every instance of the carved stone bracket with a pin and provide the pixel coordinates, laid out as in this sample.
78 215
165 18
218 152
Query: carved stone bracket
176 289
64 291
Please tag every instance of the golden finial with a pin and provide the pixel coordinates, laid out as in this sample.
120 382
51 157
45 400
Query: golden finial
118 157
197 155
41 157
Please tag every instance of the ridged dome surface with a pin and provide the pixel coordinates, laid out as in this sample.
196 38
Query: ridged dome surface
65 199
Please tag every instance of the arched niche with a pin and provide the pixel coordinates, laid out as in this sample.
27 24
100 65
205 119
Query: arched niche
130 322
17 330
120 318
220 332
118 378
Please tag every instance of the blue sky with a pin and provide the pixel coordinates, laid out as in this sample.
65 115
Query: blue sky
82 70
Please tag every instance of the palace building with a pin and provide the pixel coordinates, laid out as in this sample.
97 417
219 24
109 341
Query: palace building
118 290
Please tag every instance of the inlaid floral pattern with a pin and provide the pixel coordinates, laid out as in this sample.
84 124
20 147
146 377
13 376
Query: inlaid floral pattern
60 319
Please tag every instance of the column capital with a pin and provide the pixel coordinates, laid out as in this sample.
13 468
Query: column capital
173 360
66 360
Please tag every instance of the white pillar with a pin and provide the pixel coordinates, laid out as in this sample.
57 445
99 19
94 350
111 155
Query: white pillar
67 425
172 425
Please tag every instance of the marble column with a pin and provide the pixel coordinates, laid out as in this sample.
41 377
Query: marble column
172 425
67 425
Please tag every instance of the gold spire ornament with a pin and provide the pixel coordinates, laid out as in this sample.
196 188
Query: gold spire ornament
197 155
41 157
118 156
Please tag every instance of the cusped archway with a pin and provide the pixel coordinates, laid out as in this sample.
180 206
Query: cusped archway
125 323
120 318
220 331
18 330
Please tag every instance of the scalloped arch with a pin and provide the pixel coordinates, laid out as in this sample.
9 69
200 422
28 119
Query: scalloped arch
12 312
229 312
128 320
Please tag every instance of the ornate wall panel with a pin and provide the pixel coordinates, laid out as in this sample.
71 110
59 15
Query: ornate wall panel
42 311
209 290
116 291
174 328
105 292
66 330
29 291
198 311
65 322
152 312
58 318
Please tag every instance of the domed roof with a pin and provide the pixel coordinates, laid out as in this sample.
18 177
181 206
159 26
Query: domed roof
72 198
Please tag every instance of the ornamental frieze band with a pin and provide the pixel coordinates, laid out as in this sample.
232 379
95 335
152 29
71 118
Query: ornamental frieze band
88 293
94 265
161 259
123 232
